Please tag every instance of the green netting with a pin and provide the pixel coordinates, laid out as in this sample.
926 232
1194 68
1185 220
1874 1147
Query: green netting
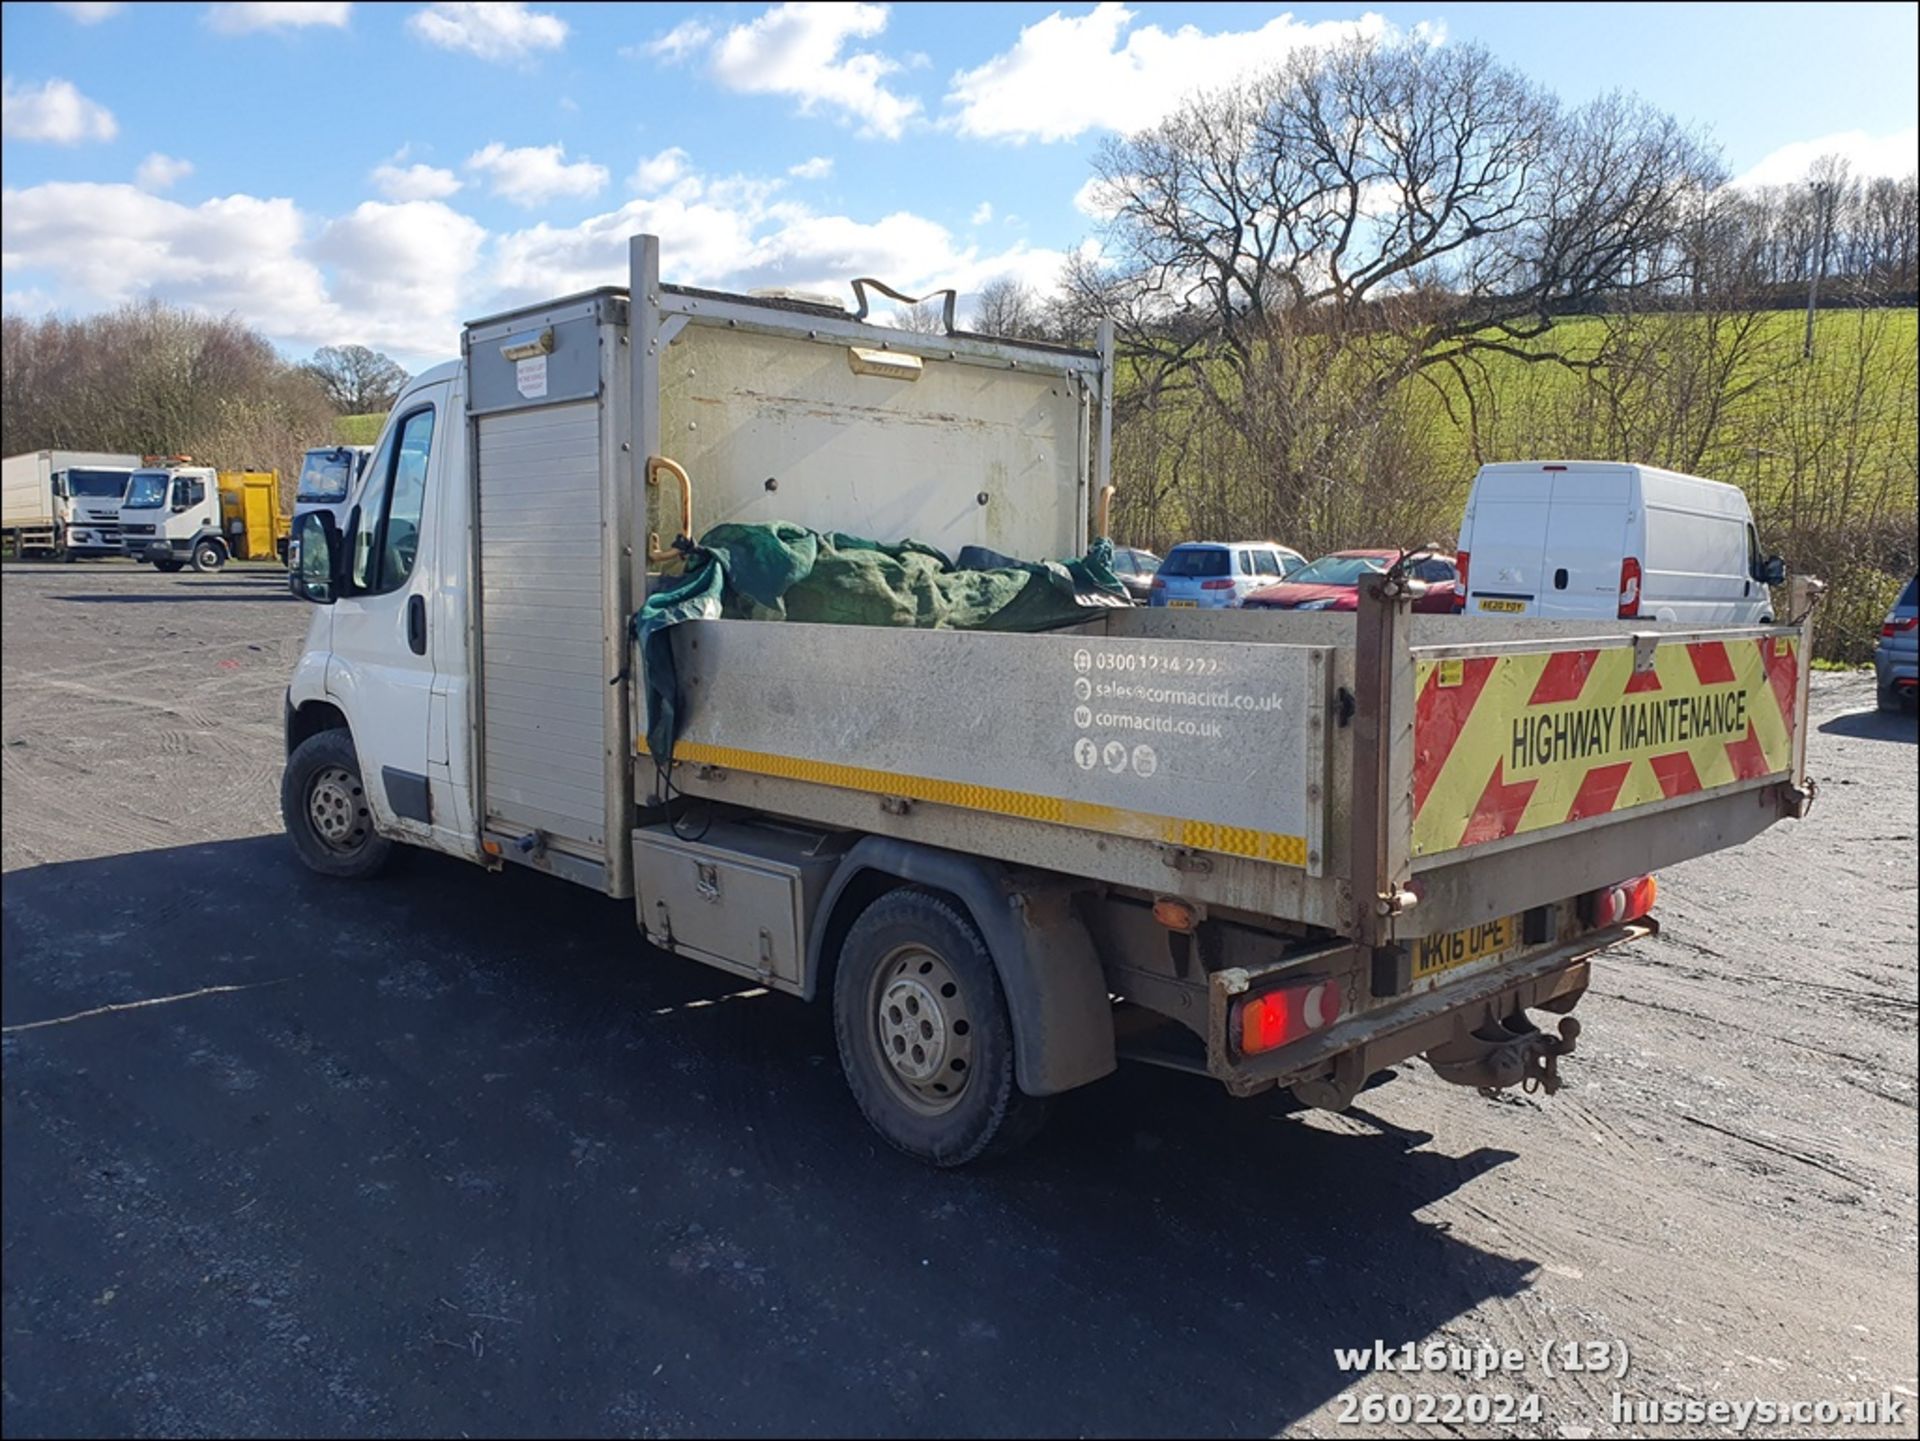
787 572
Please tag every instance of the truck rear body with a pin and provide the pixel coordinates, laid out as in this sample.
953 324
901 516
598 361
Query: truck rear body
1274 847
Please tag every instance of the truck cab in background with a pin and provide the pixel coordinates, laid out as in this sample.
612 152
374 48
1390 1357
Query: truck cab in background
63 503
179 514
327 476
89 498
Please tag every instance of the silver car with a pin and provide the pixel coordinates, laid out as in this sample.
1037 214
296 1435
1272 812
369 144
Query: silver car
1896 660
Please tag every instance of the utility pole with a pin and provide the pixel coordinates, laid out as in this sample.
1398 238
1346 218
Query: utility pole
1824 194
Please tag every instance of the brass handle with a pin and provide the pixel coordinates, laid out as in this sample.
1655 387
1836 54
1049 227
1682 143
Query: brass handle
1103 513
656 464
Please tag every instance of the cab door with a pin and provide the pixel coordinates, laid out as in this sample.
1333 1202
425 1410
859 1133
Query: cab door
381 669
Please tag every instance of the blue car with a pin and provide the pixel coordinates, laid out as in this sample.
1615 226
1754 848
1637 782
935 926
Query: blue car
1896 660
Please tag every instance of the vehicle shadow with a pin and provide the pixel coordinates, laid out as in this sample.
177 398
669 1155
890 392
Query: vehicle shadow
459 1152
1876 724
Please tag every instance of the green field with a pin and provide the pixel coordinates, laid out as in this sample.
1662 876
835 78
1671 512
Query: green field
358 429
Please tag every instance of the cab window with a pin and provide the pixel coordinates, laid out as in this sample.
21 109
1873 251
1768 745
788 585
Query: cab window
387 537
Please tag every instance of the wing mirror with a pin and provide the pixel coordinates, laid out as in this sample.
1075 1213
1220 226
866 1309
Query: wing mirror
321 573
1773 570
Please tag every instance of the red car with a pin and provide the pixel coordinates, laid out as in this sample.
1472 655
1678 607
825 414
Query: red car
1333 583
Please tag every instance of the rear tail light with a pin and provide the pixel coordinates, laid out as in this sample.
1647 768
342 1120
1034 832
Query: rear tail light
1216 585
1628 901
1158 584
1895 627
1460 563
1629 588
1278 1018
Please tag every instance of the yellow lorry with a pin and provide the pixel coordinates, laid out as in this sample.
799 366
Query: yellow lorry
177 513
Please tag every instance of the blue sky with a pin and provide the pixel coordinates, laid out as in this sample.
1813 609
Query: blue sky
376 172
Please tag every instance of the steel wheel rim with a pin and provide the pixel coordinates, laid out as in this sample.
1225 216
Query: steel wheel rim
922 1029
337 809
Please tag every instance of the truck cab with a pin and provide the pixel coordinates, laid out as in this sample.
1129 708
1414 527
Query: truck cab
181 514
327 476
89 499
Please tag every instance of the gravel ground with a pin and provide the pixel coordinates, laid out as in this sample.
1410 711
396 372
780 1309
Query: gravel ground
455 1153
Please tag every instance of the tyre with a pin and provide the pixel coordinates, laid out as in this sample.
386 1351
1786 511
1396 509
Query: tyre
168 567
323 804
924 1034
1886 698
209 556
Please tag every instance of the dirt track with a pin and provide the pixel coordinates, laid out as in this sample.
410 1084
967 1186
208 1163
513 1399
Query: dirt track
466 1158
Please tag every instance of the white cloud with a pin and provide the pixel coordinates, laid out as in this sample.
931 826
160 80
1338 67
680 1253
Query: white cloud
1068 74
657 172
160 172
817 168
795 49
413 182
56 112
1095 200
91 12
1896 154
680 42
534 174
401 273
241 19
982 213
492 31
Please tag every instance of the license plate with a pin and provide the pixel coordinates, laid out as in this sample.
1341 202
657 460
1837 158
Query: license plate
1505 607
1187 604
1434 954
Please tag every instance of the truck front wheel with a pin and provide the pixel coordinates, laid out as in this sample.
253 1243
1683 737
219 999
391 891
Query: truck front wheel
209 556
924 1034
166 567
323 804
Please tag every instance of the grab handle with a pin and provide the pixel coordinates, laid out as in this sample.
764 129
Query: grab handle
656 464
1103 513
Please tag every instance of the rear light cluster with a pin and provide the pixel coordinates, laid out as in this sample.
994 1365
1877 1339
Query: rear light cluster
1629 588
1896 627
1460 564
1628 901
1278 1018
1216 585
1158 584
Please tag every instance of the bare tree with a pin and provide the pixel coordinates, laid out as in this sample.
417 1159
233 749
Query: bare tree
357 380
926 318
1006 307
1286 254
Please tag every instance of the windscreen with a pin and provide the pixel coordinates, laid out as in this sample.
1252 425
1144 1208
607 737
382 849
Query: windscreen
326 476
148 490
1196 561
1338 570
97 484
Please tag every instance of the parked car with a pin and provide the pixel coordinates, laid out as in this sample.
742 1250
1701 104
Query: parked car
1219 575
1896 660
1589 540
1333 583
1135 569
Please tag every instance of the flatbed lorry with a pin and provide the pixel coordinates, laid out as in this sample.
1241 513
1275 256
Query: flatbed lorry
1278 849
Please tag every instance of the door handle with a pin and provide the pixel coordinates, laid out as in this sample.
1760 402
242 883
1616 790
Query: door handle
417 624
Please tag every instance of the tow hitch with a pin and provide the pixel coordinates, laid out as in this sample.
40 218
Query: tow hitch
1505 1053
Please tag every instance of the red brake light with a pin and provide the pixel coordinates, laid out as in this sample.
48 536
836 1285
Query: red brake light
1894 627
1629 588
1628 901
1216 585
1158 584
1278 1018
1460 563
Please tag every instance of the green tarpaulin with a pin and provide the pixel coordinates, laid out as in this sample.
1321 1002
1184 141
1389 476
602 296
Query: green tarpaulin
787 572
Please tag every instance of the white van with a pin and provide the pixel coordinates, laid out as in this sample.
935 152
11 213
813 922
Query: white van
1585 539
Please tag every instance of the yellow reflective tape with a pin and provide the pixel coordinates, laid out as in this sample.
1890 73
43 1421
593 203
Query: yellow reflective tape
1170 830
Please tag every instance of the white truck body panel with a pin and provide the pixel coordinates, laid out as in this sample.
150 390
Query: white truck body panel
1548 538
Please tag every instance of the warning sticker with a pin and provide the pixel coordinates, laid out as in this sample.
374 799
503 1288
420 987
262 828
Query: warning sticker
530 377
1514 743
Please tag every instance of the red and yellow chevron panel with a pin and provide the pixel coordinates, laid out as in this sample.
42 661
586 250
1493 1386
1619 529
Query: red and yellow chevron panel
1505 744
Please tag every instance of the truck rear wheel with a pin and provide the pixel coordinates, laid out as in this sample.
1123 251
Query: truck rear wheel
924 1034
323 804
209 556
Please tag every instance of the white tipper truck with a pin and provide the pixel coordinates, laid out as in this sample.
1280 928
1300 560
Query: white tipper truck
1279 849
64 502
